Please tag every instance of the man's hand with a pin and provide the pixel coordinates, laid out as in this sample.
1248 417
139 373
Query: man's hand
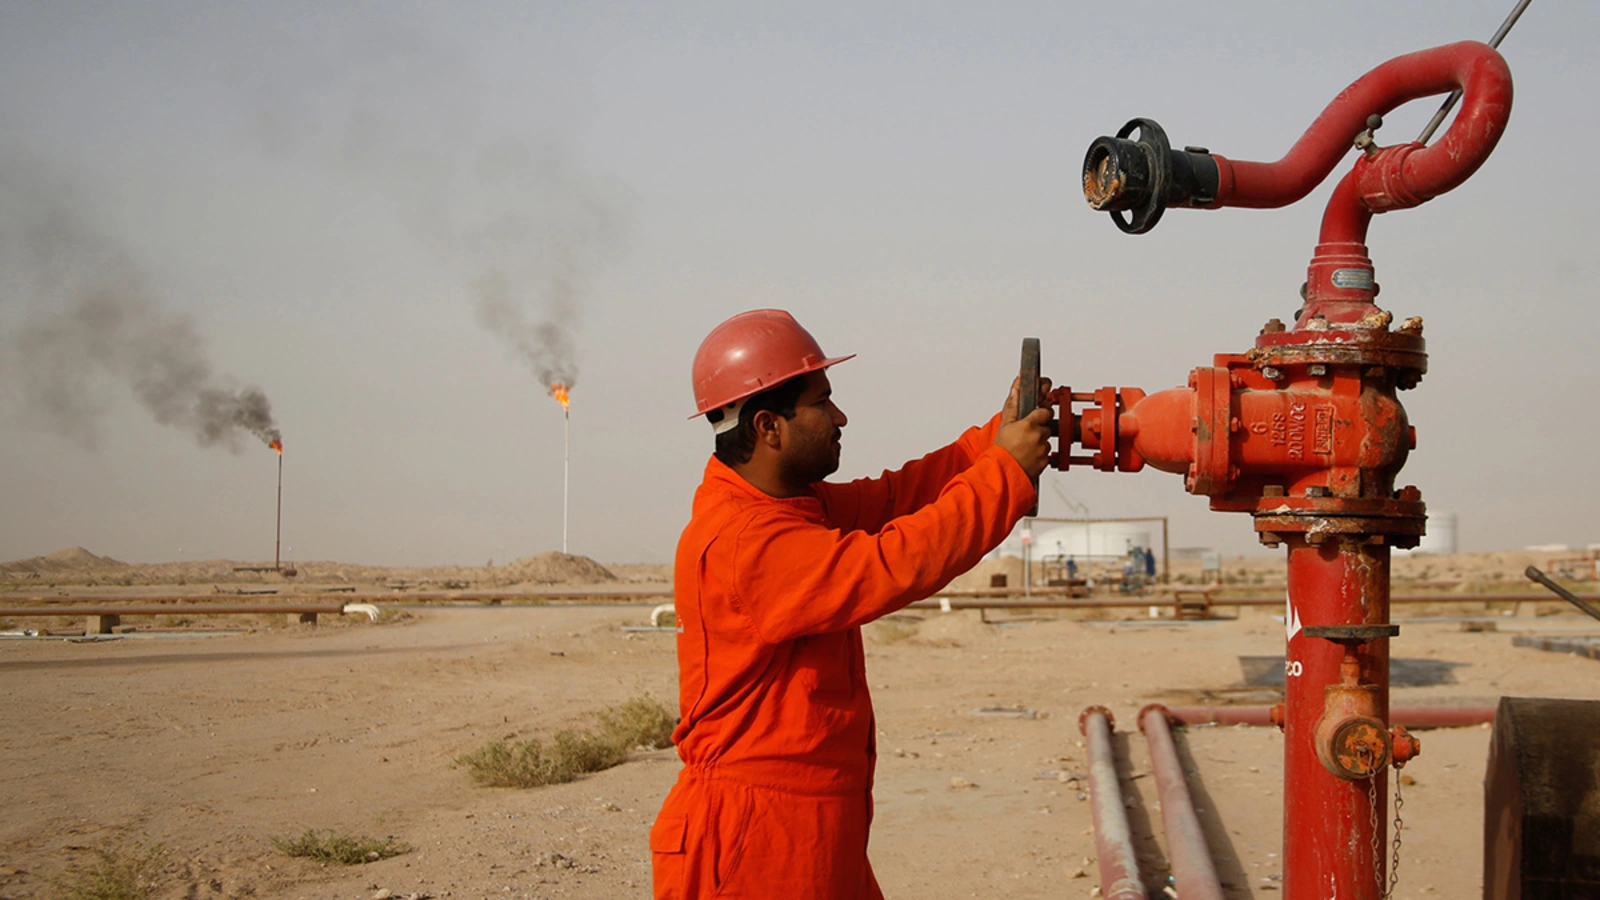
1026 439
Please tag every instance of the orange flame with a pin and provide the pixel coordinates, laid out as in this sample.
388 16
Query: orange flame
559 391
278 446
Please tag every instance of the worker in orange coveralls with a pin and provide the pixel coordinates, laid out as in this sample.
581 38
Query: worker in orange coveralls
775 575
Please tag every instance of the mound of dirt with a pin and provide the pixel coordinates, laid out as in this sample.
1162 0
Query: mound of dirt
72 559
559 568
953 629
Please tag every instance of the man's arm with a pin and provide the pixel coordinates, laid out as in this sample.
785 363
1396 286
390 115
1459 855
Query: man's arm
794 577
870 503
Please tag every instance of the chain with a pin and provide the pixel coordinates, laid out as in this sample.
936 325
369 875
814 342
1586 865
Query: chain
1399 823
1372 817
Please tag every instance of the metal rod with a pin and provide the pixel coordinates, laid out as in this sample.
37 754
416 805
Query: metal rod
1194 873
1455 96
1166 554
1113 839
566 468
277 547
1589 608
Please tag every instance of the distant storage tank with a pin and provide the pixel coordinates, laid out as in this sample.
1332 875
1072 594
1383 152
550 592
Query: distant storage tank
1441 537
1080 539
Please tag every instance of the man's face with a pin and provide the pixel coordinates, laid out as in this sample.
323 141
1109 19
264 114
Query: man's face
811 440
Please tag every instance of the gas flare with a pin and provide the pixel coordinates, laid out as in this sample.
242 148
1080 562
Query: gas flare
558 390
276 445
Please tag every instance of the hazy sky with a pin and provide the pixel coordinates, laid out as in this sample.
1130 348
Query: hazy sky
318 200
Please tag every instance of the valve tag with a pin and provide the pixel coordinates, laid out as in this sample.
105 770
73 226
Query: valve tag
1359 279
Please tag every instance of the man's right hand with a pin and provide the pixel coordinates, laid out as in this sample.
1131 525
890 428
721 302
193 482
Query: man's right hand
1027 439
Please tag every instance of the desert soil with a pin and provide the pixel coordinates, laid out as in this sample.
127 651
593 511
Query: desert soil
212 746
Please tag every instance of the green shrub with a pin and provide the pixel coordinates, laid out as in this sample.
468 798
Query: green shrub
640 722
344 849
119 873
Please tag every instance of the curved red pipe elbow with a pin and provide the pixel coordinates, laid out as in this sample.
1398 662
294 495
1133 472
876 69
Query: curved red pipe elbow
1391 177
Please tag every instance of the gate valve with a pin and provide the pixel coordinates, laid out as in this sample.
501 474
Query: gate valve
1304 431
1351 741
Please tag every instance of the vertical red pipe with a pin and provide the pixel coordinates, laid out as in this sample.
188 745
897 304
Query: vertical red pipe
1331 848
1113 839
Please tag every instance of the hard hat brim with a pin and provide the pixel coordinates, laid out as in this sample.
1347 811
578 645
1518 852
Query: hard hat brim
803 370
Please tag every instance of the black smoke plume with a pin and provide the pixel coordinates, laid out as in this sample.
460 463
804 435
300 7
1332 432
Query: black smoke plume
80 314
401 112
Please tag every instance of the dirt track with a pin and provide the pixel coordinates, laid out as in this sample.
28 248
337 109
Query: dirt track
211 746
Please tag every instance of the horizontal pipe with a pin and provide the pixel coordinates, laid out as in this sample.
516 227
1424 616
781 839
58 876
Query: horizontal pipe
1193 872
376 596
986 598
1113 838
1002 600
1402 79
200 609
1404 716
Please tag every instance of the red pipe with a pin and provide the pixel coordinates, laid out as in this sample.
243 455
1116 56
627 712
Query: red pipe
1477 69
1332 848
1404 716
1113 839
1193 872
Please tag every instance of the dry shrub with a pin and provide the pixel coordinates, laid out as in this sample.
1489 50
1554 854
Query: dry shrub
119 873
639 723
344 849
892 630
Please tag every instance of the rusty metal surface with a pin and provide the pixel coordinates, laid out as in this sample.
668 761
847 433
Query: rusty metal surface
1261 716
1193 871
1113 839
1541 836
1102 183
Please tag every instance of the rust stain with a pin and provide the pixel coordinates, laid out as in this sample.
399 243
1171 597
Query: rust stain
1103 184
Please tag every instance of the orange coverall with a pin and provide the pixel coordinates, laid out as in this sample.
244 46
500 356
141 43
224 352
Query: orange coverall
777 736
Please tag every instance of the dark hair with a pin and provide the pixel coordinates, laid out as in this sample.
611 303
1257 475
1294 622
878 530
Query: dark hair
736 445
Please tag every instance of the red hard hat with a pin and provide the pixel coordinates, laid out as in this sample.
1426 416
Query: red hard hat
750 353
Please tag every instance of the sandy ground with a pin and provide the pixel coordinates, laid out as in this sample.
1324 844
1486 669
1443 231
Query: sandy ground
211 746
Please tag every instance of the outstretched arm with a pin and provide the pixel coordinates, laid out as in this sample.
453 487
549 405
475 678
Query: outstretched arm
868 504
794 577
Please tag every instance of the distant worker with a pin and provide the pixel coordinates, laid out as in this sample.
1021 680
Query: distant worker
1072 567
775 575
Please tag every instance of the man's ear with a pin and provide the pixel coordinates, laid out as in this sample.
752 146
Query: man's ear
766 425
